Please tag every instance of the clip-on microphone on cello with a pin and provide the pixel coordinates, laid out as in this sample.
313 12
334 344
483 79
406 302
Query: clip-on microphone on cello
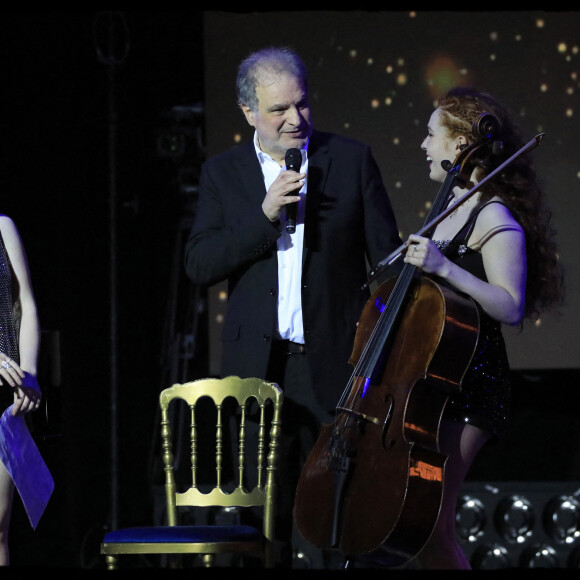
293 162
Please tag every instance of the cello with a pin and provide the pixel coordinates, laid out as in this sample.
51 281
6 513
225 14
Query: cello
373 483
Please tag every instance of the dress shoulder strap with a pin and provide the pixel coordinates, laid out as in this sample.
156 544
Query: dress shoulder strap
465 232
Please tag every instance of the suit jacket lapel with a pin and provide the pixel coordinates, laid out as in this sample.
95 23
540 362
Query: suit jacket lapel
250 173
318 167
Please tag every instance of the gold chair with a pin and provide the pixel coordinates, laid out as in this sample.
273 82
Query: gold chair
232 396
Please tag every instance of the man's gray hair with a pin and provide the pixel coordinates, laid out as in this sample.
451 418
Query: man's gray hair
272 61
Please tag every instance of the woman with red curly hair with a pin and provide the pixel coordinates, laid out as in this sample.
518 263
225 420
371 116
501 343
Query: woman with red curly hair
498 248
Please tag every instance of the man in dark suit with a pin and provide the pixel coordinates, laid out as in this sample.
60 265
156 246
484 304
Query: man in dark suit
294 298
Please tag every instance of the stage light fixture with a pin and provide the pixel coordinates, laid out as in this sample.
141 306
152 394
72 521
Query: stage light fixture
521 524
539 556
514 518
470 518
562 519
491 557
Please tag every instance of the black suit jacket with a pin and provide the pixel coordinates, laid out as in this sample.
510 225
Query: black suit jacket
348 217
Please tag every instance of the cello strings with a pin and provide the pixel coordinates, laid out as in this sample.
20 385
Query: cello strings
381 332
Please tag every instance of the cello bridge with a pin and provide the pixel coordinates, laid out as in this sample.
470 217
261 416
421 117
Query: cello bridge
359 415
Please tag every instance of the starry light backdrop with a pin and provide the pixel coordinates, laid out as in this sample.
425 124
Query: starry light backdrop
375 76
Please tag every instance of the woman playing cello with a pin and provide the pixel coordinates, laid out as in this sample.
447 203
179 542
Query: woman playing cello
497 248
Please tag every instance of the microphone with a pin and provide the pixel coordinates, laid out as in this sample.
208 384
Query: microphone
293 162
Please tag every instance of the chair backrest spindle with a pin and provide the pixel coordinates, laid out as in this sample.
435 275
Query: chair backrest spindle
168 467
261 444
242 444
219 445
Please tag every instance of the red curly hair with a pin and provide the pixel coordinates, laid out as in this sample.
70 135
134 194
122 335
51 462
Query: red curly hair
516 185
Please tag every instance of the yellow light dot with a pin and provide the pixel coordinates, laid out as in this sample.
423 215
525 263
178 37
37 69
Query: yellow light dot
223 296
562 47
347 125
401 61
492 57
396 141
569 112
544 87
237 138
402 79
398 184
570 91
388 101
518 37
352 53
538 322
412 14
219 318
540 23
375 103
389 69
574 50
369 61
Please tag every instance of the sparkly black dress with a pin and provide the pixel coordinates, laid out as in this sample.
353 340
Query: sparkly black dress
484 397
9 322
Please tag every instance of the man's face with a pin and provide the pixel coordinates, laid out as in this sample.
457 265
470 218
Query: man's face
282 120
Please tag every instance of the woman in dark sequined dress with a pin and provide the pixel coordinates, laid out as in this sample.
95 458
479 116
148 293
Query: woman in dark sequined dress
498 247
19 343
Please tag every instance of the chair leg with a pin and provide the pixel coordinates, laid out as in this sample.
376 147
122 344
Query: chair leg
208 560
111 562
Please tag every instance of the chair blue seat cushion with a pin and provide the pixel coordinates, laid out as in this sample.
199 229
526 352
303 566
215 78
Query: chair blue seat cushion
184 534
